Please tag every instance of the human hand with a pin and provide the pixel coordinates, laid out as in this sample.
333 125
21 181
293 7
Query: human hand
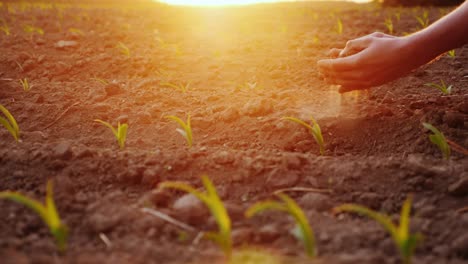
369 61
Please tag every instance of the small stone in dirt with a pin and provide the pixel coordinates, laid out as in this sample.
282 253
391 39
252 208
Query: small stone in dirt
282 179
123 119
317 201
417 104
157 197
459 188
242 235
223 157
190 209
106 214
268 233
65 43
229 115
235 211
151 176
292 161
113 89
63 151
454 119
371 200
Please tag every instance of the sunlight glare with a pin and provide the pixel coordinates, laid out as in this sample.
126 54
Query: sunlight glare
229 2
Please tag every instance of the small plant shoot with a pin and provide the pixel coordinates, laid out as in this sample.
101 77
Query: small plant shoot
48 213
389 24
120 132
441 87
4 27
9 123
186 130
405 241
423 20
25 84
451 53
33 29
179 87
339 26
303 231
211 199
123 49
314 130
438 139
100 80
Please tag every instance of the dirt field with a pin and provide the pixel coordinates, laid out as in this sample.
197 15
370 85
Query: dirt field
247 68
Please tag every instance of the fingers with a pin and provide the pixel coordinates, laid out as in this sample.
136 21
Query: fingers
334 53
339 64
356 45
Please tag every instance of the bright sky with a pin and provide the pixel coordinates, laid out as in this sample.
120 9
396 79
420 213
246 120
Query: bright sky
226 2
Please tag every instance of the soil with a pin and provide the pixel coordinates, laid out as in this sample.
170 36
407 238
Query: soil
247 68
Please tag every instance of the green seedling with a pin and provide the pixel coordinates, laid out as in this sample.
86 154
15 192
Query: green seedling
4 27
314 130
451 53
248 85
423 20
398 16
405 241
25 84
48 213
76 31
186 130
120 133
179 87
339 26
123 49
441 87
9 123
101 81
389 24
32 29
211 199
302 231
439 140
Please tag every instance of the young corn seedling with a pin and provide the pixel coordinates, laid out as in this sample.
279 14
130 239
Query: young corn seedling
405 241
32 29
120 133
389 24
179 87
314 130
451 53
339 26
211 199
439 140
101 81
76 31
123 49
4 27
302 231
441 87
48 213
9 123
423 20
398 16
25 84
186 130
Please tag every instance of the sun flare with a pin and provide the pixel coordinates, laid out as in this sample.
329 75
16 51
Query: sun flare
233 2
216 2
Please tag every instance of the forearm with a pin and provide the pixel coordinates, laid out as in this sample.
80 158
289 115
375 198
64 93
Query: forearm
447 33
